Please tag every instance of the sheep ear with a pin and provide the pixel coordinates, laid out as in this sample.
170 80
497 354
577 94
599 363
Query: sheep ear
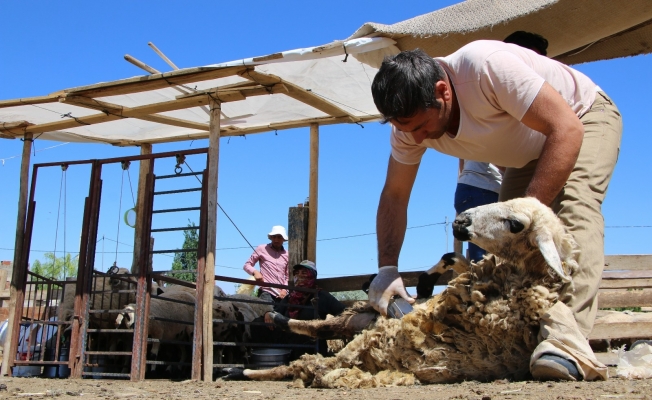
549 251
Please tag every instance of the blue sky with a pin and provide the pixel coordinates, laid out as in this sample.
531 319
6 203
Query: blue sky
49 46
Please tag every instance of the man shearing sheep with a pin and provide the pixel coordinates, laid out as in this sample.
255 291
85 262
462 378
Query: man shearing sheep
556 132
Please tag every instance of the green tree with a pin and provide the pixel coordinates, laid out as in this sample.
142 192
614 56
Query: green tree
57 268
187 260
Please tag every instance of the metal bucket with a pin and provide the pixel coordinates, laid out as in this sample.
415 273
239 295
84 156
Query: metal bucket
269 358
56 371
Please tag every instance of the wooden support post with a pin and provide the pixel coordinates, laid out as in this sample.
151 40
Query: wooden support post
8 355
298 237
457 245
313 193
140 204
211 237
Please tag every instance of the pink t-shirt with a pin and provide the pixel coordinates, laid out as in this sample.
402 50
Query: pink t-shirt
273 266
495 84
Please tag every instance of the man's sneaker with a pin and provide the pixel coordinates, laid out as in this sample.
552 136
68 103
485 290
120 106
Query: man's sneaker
550 367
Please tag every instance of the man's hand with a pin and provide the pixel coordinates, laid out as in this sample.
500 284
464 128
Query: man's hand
258 276
269 320
387 283
282 293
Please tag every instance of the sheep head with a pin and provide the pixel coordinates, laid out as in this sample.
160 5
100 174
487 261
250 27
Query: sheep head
118 283
514 230
428 279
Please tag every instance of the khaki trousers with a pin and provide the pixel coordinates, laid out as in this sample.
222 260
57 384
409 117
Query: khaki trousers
579 203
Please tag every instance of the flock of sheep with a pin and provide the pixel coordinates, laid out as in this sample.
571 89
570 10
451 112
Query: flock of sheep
171 319
483 326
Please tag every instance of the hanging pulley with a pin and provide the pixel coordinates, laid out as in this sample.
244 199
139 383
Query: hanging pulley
181 159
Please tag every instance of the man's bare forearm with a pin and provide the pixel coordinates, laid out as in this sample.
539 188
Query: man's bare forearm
391 222
555 165
551 115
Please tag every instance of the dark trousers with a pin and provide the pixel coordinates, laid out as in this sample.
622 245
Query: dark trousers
466 197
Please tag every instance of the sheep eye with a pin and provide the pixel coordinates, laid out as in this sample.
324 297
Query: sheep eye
515 226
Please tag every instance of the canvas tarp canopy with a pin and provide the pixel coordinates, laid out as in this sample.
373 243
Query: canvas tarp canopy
313 85
578 31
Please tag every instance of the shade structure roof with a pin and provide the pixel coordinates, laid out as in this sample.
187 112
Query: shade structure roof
313 85
578 31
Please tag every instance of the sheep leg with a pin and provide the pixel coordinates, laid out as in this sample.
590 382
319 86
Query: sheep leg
344 326
156 346
273 374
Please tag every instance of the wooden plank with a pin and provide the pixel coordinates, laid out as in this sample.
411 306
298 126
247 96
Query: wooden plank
231 130
300 94
156 81
143 112
628 262
620 330
161 119
313 193
626 283
141 199
26 101
163 56
72 123
117 109
211 239
298 237
355 282
622 298
614 275
17 284
93 104
9 126
141 64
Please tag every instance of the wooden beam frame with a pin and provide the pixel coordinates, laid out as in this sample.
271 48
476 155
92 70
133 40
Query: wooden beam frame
143 171
313 191
257 83
133 85
211 239
28 101
9 349
11 130
112 112
155 81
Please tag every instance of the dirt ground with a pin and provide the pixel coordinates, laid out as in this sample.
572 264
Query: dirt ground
164 389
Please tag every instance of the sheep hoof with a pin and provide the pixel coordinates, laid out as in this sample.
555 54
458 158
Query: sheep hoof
280 320
550 367
234 374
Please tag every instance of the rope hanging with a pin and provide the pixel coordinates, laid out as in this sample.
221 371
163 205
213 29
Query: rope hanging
125 167
62 192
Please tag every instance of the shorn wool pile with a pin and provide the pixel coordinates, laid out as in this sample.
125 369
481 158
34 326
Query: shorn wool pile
483 326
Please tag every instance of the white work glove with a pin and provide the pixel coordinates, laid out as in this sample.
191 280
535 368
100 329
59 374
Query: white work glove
386 284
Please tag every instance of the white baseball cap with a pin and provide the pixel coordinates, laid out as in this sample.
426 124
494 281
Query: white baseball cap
278 230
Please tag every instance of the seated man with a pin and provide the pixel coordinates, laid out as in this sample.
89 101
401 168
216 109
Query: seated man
305 276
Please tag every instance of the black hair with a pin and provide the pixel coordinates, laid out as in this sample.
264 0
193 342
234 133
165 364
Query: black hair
529 40
405 84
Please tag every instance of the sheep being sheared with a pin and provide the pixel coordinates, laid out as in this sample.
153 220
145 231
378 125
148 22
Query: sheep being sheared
483 326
